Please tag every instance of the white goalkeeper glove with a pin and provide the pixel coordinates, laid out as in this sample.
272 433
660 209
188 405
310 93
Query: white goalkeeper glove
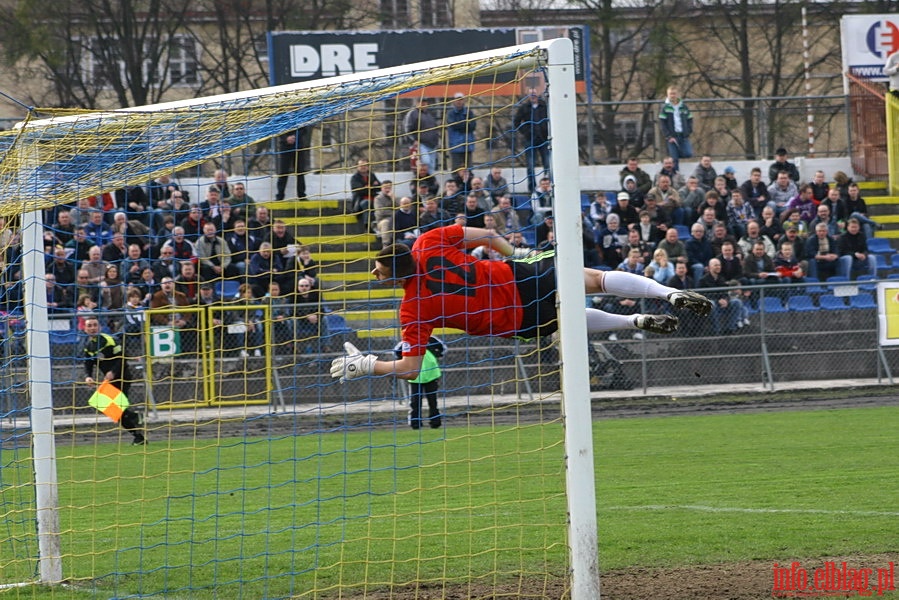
521 252
354 364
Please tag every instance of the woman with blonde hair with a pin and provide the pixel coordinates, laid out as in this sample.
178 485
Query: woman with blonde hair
662 270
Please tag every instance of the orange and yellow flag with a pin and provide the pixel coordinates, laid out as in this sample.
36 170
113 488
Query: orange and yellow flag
110 401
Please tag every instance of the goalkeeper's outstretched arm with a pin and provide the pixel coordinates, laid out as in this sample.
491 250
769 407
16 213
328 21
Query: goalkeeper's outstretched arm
355 364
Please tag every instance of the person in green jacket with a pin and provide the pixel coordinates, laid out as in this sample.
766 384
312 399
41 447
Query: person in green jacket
426 384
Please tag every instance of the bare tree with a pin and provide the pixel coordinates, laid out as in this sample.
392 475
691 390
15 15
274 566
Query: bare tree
95 50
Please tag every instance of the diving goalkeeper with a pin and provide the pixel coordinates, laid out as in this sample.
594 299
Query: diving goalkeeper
446 287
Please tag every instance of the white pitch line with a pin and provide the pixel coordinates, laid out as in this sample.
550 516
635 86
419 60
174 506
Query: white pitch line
736 509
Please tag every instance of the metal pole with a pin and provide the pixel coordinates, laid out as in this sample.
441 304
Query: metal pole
40 387
575 373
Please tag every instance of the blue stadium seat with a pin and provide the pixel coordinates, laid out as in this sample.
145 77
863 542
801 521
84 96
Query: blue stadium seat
880 246
227 288
772 304
683 232
894 260
863 300
831 302
813 289
336 324
863 284
801 303
586 199
882 263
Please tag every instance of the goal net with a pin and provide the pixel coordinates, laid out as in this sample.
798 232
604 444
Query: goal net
209 259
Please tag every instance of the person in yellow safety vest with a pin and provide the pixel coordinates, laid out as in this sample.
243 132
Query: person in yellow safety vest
104 351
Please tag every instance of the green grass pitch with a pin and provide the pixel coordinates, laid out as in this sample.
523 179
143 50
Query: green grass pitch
344 507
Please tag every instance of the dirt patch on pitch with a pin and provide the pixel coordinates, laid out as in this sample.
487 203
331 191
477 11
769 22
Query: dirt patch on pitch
751 580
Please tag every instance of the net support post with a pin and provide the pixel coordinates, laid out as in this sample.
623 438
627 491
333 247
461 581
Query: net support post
40 388
575 373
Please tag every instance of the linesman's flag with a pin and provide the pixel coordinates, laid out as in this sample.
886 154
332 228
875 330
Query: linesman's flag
110 401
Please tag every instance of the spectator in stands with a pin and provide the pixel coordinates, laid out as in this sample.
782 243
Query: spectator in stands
169 299
115 288
307 312
133 323
692 196
739 213
63 229
630 188
385 205
531 122
463 176
633 263
790 217
243 244
496 184
820 187
837 206
753 235
705 173
782 164
133 264
822 253
659 217
707 219
192 224
824 216
188 282
97 230
671 171
265 266
62 269
422 133
544 229
224 222
804 203
641 178
668 200
676 124
94 265
484 198
699 251
242 204
600 209
134 231
58 300
305 266
723 191
674 248
245 326
626 213
755 192
730 178
433 216
364 186
853 250
782 191
405 222
293 150
474 214
183 249
160 190
727 311
214 255
856 208
789 268
541 200
758 267
730 262
663 269
282 240
517 240
280 313
681 279
713 201
719 236
221 182
81 212
770 226
133 200
506 213
841 182
166 265
115 251
147 285
461 132
792 236
635 242
176 207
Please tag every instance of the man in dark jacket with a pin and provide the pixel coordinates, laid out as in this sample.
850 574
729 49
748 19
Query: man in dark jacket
532 124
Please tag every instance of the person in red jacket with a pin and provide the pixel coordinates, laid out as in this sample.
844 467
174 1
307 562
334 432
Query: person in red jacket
447 287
